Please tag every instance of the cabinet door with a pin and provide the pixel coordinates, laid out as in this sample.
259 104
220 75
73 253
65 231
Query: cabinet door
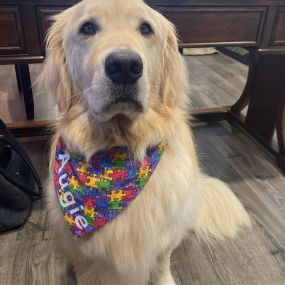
278 34
11 31
208 26
44 15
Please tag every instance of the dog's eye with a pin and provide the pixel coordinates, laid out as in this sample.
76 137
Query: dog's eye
146 29
88 29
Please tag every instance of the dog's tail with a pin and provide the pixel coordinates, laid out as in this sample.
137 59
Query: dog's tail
220 213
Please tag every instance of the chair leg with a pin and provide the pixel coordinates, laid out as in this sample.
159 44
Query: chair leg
25 88
280 129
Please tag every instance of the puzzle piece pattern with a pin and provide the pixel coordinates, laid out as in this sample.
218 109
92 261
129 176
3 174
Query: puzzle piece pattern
116 196
104 187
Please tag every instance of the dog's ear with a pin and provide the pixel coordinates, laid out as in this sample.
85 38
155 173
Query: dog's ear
174 81
55 78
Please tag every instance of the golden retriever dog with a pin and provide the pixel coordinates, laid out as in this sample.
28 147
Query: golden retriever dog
118 80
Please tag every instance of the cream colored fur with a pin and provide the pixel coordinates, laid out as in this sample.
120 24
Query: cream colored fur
135 247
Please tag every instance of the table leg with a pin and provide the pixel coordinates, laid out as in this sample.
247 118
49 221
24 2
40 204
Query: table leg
280 129
246 94
267 99
24 87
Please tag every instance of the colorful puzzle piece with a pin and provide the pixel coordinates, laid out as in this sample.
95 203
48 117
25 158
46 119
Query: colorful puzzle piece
69 219
68 169
116 195
89 201
101 205
115 206
82 177
92 181
119 175
89 211
141 182
104 184
80 189
108 173
83 167
73 183
99 222
143 172
129 194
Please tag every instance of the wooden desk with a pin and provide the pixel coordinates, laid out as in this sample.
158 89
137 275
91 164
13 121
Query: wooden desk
258 24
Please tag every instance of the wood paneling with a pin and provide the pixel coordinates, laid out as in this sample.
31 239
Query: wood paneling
217 26
278 34
11 32
200 23
44 15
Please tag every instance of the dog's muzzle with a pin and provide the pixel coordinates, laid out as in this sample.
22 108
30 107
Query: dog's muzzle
124 68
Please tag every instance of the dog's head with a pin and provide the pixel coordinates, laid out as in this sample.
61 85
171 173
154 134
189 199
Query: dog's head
113 57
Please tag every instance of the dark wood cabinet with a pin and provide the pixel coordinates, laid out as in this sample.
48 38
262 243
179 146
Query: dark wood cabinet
204 26
44 17
24 24
278 34
12 39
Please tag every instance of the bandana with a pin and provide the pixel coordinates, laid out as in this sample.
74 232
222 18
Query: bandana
92 194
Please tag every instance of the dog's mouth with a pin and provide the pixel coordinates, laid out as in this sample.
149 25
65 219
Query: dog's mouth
124 104
128 107
122 100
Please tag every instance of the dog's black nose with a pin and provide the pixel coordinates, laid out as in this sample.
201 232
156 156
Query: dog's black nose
124 67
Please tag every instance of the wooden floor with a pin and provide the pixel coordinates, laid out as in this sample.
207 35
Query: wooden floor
256 257
215 80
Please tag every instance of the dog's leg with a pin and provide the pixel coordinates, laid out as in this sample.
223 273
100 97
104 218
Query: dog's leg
220 213
163 274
